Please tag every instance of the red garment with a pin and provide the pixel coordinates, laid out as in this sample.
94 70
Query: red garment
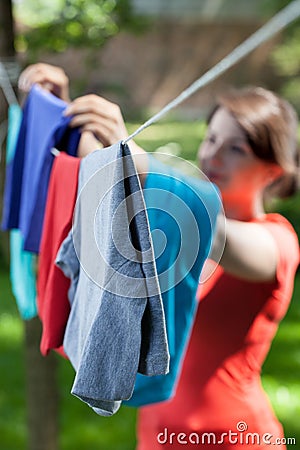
52 285
220 381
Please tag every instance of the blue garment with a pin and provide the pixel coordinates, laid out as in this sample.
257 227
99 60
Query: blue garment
14 124
182 213
116 325
23 276
43 127
22 263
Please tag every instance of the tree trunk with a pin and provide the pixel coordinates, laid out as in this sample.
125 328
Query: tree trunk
6 53
6 29
41 388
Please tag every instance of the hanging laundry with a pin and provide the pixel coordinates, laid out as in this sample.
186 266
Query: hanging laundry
43 127
22 263
14 125
23 276
116 325
52 284
182 213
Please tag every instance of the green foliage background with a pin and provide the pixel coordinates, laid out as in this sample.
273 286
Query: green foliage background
60 24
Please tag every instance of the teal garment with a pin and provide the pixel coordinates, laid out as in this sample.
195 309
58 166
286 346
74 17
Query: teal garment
14 123
22 263
22 275
182 213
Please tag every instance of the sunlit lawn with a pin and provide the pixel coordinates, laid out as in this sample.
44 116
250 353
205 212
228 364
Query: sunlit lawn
281 373
81 428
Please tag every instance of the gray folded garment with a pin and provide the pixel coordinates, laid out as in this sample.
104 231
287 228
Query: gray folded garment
116 326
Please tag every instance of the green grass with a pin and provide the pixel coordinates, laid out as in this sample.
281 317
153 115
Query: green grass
80 427
187 135
281 370
13 430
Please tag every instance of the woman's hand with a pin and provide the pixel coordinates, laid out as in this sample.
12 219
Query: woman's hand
51 78
99 116
103 120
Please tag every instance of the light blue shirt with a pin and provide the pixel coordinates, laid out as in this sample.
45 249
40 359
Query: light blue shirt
182 213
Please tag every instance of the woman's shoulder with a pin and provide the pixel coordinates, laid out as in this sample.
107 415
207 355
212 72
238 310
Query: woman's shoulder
276 219
284 234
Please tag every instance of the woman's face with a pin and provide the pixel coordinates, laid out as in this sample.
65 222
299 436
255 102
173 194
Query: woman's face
227 159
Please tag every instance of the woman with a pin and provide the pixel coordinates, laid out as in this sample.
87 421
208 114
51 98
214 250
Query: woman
250 151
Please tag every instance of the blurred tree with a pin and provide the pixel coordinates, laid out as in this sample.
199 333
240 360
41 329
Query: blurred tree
6 52
60 24
286 56
6 29
286 59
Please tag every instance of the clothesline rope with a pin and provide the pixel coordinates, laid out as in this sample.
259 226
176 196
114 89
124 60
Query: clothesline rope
6 86
283 18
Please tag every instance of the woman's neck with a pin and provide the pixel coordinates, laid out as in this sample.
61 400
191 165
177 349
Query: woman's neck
244 208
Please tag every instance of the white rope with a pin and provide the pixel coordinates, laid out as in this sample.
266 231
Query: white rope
273 26
7 86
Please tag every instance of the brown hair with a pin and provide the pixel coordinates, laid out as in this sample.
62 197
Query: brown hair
270 124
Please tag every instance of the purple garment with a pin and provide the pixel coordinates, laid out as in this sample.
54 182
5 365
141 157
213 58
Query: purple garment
43 127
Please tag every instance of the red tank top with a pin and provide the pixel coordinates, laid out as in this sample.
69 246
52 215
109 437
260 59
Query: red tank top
219 401
52 285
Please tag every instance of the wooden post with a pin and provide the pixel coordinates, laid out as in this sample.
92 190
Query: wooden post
41 391
41 388
6 52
